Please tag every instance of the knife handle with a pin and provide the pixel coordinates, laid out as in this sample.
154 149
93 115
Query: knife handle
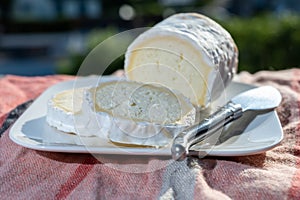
205 128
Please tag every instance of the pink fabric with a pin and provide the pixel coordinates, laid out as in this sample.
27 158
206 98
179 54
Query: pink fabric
30 174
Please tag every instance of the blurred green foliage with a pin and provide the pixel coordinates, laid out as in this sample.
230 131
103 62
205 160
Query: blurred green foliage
266 42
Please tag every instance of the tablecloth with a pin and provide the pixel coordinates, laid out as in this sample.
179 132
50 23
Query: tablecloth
32 174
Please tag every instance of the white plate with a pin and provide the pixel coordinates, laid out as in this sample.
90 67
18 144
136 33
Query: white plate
262 133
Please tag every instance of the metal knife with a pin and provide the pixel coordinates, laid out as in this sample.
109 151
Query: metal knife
265 98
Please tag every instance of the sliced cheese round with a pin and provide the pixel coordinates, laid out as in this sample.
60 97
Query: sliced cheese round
67 112
187 52
140 114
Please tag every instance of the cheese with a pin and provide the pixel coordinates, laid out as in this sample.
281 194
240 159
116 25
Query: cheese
187 52
67 112
140 114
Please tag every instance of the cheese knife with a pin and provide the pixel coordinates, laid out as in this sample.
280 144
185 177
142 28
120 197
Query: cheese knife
265 98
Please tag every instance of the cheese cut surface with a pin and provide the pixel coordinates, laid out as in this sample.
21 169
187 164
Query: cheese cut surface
66 100
140 114
187 52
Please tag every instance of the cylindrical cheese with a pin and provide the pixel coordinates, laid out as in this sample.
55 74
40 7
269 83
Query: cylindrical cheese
187 52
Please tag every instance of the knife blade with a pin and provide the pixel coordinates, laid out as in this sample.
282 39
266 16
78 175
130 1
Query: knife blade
265 98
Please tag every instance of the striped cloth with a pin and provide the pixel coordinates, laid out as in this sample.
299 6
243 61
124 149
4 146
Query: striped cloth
31 174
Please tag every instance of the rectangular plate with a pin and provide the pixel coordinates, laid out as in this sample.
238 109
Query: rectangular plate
261 134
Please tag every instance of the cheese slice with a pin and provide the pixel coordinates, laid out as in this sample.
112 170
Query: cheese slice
140 114
67 112
126 112
187 52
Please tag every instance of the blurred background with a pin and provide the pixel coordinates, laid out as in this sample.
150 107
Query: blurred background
42 37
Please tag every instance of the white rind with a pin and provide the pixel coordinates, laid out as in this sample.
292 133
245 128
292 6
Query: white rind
60 119
214 45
